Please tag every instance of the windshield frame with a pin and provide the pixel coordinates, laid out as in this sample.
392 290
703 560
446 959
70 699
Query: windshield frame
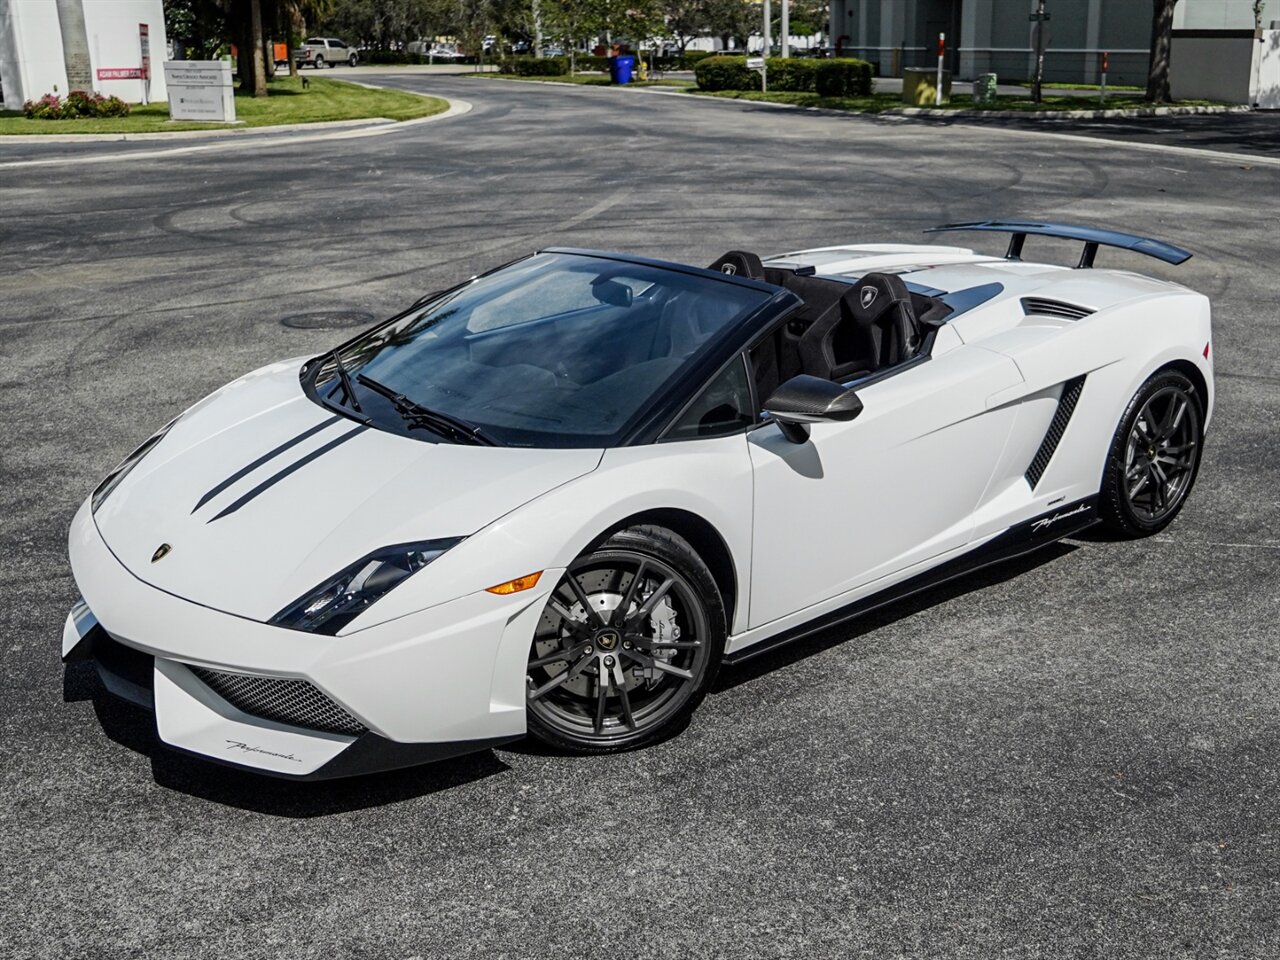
652 419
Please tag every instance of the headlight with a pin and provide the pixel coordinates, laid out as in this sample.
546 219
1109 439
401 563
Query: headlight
114 478
344 596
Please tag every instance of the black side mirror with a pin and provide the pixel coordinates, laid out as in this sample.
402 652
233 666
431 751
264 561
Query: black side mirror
804 400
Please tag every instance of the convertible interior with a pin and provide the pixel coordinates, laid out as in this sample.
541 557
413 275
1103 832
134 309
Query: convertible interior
843 332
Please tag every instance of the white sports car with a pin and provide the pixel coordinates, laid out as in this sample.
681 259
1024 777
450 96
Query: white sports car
556 498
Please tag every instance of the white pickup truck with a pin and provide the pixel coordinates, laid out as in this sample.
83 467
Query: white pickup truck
323 52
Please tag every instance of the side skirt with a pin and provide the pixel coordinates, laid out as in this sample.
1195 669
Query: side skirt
1026 537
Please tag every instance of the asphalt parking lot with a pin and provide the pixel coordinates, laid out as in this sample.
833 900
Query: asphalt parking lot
1076 755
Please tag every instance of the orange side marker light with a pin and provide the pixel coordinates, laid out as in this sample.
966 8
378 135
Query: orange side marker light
515 586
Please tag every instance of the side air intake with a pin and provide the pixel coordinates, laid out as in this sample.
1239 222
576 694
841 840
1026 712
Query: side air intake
1057 427
295 702
1042 307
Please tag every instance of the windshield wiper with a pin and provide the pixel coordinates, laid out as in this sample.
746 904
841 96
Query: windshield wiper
345 380
416 414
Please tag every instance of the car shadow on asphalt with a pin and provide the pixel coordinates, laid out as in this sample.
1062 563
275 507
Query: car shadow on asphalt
851 630
134 728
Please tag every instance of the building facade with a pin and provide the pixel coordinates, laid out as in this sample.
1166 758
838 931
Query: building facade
997 36
56 46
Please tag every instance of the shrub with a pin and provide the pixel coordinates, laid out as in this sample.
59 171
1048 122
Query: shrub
725 73
691 59
534 67
792 75
843 77
79 103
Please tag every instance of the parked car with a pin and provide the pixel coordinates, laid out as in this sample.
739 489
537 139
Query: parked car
321 52
557 497
430 49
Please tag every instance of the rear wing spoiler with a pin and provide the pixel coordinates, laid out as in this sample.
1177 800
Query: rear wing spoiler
1092 237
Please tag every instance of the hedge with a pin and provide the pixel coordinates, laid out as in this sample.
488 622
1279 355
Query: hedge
590 62
536 67
844 77
725 73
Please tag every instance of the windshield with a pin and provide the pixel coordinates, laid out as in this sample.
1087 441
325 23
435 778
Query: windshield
555 350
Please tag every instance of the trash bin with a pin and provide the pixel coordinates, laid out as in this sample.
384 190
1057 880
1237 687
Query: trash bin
620 68
984 90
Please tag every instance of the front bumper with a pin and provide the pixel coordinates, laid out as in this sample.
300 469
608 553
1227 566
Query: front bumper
441 682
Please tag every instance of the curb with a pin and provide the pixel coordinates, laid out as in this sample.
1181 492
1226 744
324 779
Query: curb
456 108
933 112
214 133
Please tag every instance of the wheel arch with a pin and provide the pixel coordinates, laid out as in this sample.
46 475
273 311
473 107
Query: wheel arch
1197 378
702 535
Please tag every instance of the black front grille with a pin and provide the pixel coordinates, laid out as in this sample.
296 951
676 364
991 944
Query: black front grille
295 702
1058 309
1057 427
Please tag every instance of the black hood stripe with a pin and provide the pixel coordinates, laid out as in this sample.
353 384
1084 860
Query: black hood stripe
270 455
292 468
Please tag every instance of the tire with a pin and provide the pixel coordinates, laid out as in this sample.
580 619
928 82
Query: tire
319 63
600 683
351 61
1154 456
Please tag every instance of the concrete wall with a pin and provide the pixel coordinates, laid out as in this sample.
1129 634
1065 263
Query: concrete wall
38 43
112 28
31 62
1238 66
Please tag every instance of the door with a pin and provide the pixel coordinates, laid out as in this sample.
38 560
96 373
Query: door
894 487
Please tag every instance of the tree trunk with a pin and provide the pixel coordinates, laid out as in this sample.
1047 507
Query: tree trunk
269 58
1161 46
256 75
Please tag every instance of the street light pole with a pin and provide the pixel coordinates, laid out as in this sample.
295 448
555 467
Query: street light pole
768 29
786 28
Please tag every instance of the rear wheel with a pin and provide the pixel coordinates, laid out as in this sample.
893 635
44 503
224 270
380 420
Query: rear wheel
319 63
1154 456
627 646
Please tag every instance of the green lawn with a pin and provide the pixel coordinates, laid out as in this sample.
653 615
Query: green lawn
288 103
880 102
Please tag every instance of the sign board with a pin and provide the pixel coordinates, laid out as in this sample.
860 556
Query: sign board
144 42
200 90
755 63
119 73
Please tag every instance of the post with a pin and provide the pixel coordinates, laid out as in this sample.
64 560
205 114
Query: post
786 28
942 55
537 29
1041 19
1102 87
768 29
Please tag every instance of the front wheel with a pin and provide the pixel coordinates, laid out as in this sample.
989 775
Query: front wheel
351 61
1154 456
629 642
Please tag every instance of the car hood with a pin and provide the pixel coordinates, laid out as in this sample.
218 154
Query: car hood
261 494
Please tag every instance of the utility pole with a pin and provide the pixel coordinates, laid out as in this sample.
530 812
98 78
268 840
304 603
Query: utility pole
768 29
1041 20
786 28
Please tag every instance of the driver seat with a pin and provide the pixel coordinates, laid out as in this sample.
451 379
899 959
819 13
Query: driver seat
872 327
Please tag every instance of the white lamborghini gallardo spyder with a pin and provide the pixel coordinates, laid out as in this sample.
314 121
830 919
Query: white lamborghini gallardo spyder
556 498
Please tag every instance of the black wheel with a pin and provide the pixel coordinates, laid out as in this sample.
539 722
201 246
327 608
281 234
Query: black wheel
319 63
627 646
1154 456
351 61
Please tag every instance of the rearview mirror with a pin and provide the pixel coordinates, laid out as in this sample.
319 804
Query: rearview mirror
804 400
612 292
